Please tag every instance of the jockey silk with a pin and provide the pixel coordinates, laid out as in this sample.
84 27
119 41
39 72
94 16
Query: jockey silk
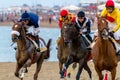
70 19
113 17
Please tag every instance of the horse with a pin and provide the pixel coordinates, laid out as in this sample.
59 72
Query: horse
62 55
26 53
103 52
78 51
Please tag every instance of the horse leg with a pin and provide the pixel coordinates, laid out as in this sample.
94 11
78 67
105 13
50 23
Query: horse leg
24 69
60 67
99 72
81 65
38 68
73 68
86 67
68 62
18 67
113 73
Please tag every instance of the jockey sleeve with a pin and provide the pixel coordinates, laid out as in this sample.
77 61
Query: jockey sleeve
113 17
85 26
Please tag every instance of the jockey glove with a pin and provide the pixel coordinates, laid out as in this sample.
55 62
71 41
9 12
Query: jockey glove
111 34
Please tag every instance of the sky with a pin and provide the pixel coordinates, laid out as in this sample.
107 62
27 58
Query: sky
49 3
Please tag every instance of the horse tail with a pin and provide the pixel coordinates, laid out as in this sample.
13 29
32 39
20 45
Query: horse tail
48 48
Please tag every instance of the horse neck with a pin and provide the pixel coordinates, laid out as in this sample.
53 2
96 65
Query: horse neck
22 42
104 46
76 42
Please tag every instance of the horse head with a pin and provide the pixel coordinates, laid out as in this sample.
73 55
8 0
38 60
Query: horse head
17 31
103 30
69 33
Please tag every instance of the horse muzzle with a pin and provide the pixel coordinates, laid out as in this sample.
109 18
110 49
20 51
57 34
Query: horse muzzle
14 39
67 43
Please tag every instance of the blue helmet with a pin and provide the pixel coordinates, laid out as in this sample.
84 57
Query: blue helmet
25 16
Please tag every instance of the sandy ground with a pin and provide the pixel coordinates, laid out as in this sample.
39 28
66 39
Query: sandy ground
49 71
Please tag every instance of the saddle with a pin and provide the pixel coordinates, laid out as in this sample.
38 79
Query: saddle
32 38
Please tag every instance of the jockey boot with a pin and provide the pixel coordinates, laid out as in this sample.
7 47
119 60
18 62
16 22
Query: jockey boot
37 41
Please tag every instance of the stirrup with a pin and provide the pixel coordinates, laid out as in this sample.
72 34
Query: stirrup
42 49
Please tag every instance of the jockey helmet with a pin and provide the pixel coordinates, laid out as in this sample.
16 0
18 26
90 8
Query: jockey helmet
64 12
109 3
81 14
25 16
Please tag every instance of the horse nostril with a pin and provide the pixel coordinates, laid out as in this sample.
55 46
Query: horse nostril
14 39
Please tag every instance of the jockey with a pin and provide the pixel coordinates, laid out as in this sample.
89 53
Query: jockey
83 25
112 15
31 19
65 17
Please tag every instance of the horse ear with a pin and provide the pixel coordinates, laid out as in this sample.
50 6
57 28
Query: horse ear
97 15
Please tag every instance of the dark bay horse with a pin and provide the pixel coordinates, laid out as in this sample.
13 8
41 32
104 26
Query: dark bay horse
77 46
103 52
26 52
62 54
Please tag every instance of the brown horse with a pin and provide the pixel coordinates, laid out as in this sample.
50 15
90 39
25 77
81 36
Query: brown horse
103 52
77 46
26 51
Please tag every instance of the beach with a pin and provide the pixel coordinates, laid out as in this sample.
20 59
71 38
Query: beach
49 71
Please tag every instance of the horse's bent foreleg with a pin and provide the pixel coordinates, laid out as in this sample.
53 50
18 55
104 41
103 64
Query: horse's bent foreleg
113 73
18 67
39 65
86 67
24 69
69 61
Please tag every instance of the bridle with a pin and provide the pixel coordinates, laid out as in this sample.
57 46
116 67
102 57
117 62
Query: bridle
103 30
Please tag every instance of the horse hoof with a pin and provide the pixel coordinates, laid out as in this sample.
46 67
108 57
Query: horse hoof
26 71
62 77
69 75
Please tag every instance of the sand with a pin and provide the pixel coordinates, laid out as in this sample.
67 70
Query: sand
49 71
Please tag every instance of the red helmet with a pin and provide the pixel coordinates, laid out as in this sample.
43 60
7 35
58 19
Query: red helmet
109 3
64 12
